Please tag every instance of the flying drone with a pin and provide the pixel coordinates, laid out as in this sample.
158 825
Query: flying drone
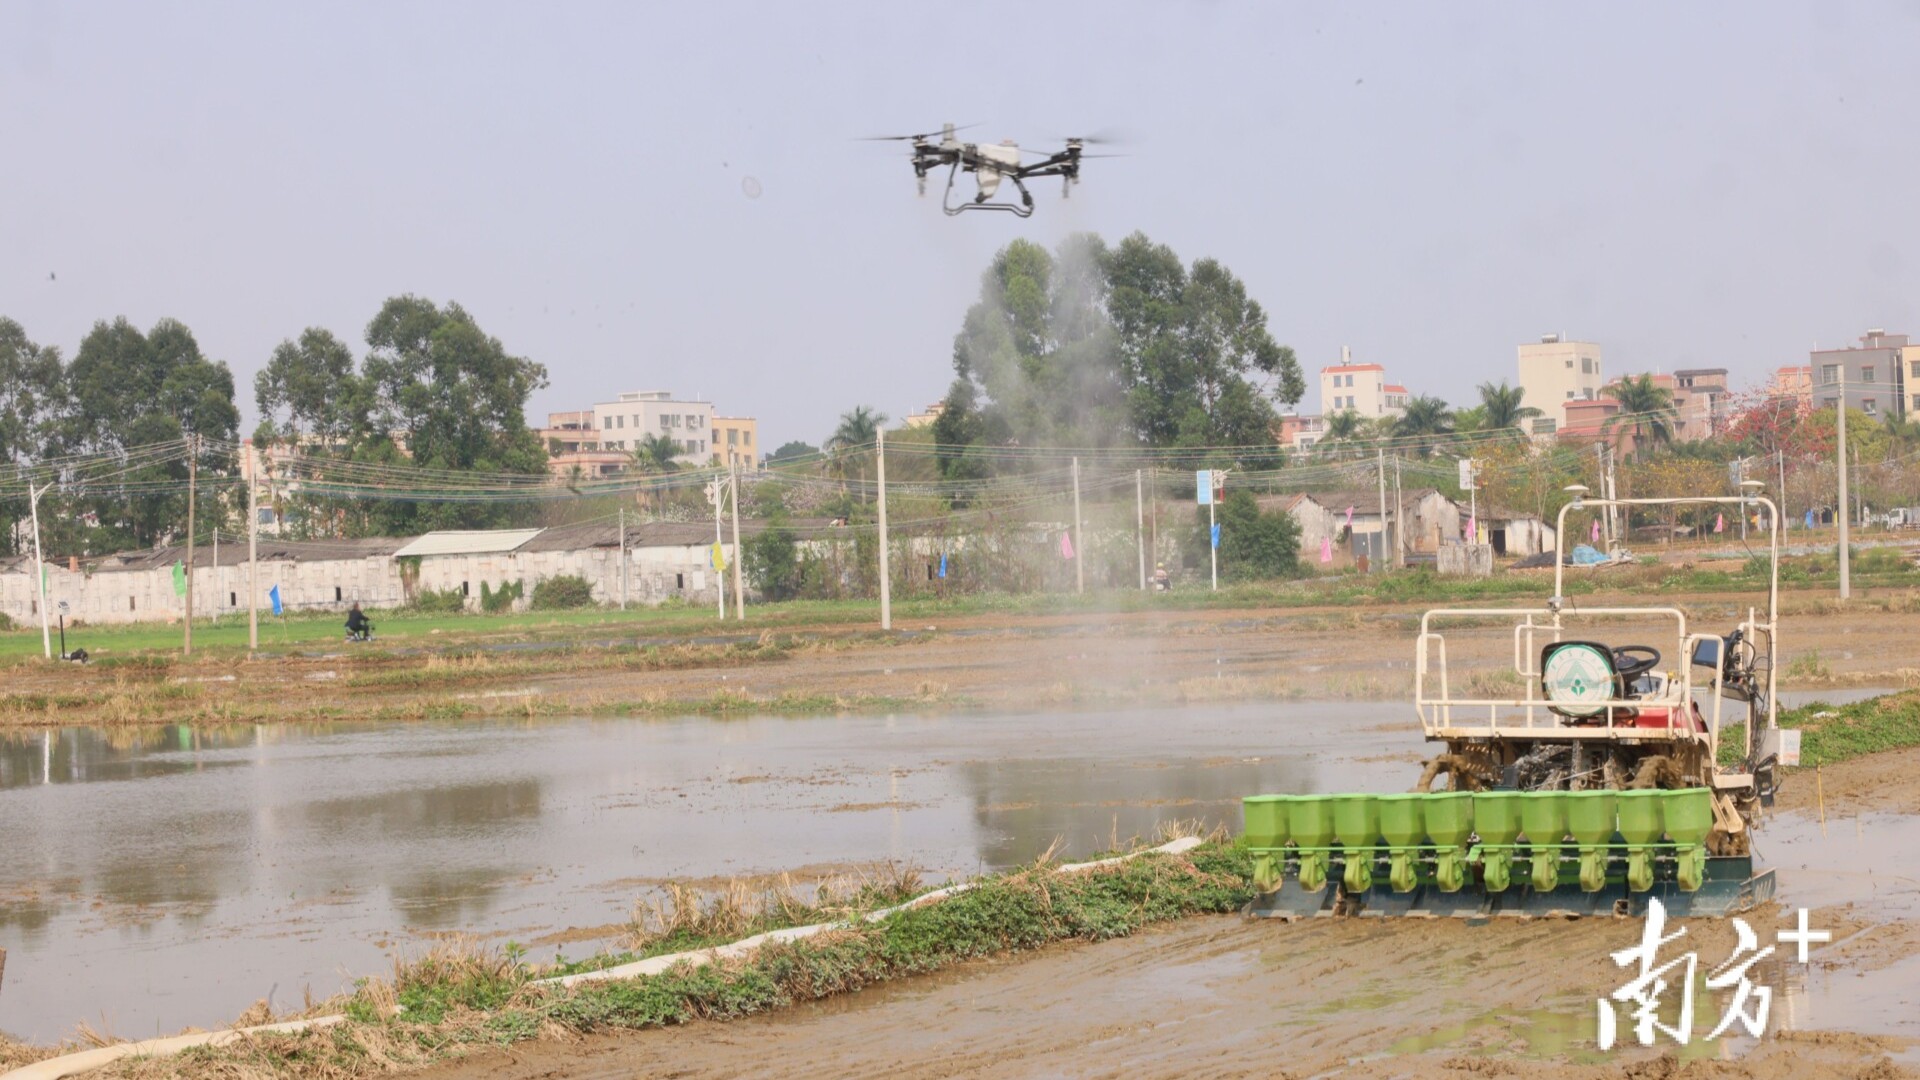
991 163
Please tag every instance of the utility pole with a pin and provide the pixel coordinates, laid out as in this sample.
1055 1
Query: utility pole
1079 553
1140 524
1400 521
1780 457
719 573
193 472
739 590
216 574
623 557
886 583
1846 504
253 550
1380 472
40 567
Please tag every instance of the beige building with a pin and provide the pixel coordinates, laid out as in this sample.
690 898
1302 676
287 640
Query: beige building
624 422
1553 372
736 439
1360 388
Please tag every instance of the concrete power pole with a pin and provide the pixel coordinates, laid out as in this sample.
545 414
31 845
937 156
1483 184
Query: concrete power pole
715 493
193 472
739 590
623 558
886 581
1380 472
1846 504
253 552
1140 524
1079 553
40 568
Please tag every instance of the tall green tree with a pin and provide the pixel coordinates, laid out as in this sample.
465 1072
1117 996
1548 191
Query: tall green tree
1198 363
1254 543
309 390
131 389
33 406
1646 410
1034 357
456 398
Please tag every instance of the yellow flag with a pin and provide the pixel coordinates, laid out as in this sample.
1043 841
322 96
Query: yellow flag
719 560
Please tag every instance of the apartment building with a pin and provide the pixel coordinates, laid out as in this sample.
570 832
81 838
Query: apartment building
1701 405
574 448
1793 381
736 441
625 421
1872 376
1297 432
1360 388
1553 372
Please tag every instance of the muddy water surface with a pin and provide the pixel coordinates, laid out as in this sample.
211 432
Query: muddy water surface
163 877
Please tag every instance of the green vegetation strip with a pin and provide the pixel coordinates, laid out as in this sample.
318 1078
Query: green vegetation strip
1830 734
449 1004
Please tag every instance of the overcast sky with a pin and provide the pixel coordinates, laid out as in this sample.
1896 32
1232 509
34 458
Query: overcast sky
1690 184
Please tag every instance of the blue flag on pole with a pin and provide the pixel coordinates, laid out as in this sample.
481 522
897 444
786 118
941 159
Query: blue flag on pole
273 594
1809 519
943 564
1216 534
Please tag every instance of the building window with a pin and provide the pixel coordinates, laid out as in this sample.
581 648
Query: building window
1916 401
1866 374
129 603
1870 406
336 594
1916 369
233 599
746 437
680 581
606 422
1586 365
1829 374
464 591
1569 365
733 437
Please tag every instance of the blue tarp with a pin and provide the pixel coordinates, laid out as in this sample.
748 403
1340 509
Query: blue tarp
1585 555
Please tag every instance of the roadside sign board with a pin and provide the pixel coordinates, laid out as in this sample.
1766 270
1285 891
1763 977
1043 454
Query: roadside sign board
1203 485
1466 474
1790 747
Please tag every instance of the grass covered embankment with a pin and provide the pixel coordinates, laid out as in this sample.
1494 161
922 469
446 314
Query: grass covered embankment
448 1003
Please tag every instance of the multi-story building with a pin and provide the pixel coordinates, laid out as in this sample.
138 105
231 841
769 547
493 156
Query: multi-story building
624 422
736 440
574 447
1700 403
1871 376
1554 372
1793 381
1298 432
1360 388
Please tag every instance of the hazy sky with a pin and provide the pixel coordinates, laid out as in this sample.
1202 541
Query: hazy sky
1689 184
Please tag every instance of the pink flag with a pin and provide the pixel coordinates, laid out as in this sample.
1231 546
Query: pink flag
1326 549
1349 518
1473 530
1596 530
1066 545
1719 522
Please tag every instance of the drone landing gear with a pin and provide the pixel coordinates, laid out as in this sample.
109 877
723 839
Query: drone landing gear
1024 208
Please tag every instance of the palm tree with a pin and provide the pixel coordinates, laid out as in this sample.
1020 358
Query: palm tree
654 454
1471 419
1502 405
1425 420
1646 409
858 427
1342 428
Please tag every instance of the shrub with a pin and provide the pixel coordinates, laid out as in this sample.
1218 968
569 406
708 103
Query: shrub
496 601
439 601
562 592
1253 543
773 560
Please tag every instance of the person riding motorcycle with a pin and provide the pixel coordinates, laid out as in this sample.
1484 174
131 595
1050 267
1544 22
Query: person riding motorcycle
358 628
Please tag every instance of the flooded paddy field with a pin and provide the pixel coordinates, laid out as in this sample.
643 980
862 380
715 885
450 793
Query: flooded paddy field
168 876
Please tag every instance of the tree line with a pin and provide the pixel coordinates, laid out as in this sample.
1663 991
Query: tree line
431 390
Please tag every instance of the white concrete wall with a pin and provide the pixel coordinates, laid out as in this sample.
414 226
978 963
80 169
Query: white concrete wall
655 574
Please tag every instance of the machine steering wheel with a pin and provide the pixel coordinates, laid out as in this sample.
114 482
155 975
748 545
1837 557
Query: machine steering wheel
1632 661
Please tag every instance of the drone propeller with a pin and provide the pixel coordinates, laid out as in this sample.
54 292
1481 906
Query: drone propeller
922 137
1102 137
